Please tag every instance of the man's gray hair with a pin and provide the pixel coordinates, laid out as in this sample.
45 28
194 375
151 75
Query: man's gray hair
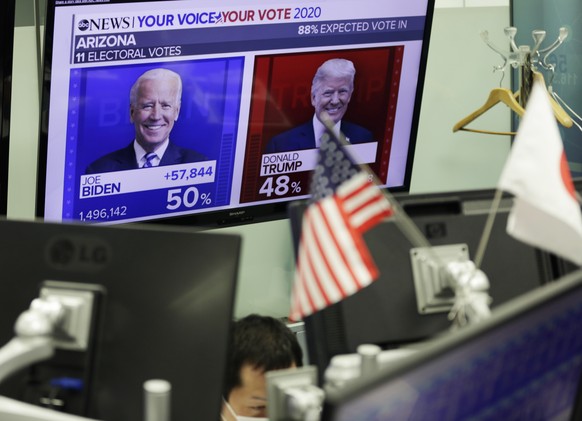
335 67
156 74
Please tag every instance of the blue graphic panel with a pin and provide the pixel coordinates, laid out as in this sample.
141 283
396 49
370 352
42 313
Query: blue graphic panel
99 123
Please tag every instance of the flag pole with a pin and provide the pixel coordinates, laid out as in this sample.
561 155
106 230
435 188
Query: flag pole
488 228
407 226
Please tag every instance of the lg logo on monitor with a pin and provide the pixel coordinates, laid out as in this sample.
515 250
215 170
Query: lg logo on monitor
78 254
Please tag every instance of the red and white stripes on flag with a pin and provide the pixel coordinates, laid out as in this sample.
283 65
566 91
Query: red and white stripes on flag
333 261
363 202
545 213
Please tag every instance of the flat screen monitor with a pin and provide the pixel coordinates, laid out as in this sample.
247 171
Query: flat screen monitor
162 310
6 52
564 266
524 363
246 70
387 312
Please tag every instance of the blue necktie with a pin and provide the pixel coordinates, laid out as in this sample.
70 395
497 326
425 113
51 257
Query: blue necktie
149 156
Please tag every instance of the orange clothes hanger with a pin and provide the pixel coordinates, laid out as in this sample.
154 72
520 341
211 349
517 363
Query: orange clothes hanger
505 96
561 115
496 96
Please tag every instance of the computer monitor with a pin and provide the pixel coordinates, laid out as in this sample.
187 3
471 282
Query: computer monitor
247 69
163 309
387 312
523 363
564 266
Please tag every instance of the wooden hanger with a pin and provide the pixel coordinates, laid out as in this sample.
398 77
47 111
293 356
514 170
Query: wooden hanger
509 98
496 96
561 115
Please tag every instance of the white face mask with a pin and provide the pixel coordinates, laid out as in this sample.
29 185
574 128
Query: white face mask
241 418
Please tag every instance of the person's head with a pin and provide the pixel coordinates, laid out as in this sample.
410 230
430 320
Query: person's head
154 105
332 87
258 344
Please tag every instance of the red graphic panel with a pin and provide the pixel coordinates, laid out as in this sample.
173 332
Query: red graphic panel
281 99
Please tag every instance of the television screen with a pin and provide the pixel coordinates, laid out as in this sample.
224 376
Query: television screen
162 307
222 103
523 363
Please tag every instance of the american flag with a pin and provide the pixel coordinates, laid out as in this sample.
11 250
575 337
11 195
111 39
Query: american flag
333 261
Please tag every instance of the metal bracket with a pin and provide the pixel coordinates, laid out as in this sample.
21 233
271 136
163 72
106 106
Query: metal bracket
73 333
434 293
292 393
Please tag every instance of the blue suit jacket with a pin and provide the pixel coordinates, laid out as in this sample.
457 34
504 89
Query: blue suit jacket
303 137
124 159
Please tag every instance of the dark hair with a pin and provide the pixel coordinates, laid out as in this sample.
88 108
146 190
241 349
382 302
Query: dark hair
265 343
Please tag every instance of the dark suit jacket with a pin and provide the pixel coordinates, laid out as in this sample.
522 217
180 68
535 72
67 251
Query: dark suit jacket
124 159
303 137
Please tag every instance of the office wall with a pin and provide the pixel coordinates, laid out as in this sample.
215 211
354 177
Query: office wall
459 77
458 80
24 114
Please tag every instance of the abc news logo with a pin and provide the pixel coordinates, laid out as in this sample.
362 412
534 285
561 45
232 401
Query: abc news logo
105 24
78 254
84 25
